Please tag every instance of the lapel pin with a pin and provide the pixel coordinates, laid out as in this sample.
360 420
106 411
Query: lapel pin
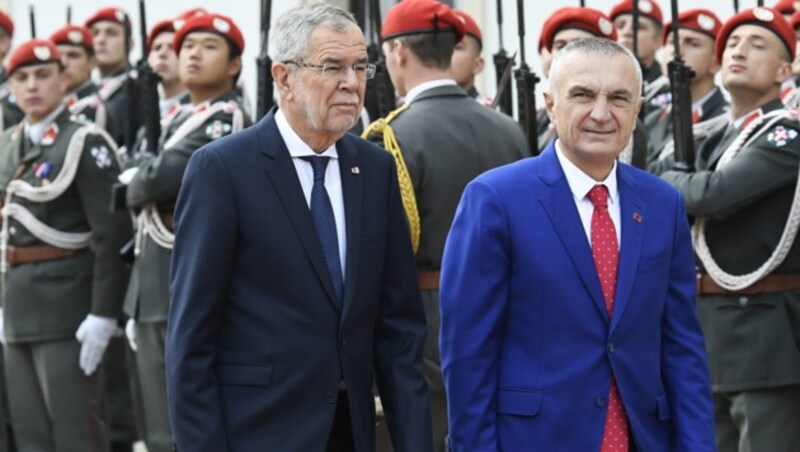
355 170
637 218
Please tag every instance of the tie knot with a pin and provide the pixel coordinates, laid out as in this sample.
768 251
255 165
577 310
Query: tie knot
598 195
319 164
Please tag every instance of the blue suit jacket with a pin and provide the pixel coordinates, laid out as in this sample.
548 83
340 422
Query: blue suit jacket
256 341
528 349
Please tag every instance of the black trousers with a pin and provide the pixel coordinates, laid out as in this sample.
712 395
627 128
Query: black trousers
341 436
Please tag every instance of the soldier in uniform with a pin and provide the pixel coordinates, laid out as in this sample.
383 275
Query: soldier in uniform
467 61
651 23
790 90
438 126
209 51
744 195
10 113
111 29
62 278
697 33
76 47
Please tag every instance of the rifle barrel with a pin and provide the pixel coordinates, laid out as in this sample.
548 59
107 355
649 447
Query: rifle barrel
32 16
521 29
500 21
69 14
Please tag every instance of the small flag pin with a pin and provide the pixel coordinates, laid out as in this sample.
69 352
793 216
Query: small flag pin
355 170
636 217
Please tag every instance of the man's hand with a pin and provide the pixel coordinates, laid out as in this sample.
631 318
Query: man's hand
94 334
130 333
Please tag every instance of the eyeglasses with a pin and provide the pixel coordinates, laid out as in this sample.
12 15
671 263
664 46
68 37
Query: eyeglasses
363 71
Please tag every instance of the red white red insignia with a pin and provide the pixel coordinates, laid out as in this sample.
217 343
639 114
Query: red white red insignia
780 136
763 14
50 135
42 53
221 25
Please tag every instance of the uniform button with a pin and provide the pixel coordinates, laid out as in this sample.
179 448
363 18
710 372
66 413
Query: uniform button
743 301
330 398
12 230
611 348
600 402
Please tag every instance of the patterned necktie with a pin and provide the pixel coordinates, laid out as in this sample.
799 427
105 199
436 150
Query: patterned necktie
606 258
325 224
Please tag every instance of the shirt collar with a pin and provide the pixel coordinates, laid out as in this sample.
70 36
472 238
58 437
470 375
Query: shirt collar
417 90
36 131
581 183
297 147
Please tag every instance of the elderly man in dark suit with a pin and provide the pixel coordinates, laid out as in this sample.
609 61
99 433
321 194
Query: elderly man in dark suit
293 281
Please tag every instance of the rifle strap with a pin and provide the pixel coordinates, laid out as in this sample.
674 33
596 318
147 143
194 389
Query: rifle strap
382 127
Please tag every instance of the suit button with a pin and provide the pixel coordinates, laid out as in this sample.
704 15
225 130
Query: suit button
330 398
743 301
611 348
600 402
342 341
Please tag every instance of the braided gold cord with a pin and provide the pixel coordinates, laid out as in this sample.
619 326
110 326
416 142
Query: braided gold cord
381 126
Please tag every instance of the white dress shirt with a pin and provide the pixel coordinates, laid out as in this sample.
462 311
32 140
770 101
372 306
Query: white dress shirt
333 181
581 183
414 92
36 131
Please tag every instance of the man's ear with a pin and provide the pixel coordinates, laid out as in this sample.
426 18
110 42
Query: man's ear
280 74
477 68
549 104
784 72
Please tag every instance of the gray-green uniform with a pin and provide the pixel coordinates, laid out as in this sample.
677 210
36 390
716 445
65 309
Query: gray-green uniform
54 406
114 94
152 192
446 139
660 129
10 114
752 334
86 105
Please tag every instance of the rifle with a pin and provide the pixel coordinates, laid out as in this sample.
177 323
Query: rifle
736 6
760 3
32 17
379 99
69 14
148 85
265 100
526 88
501 63
680 77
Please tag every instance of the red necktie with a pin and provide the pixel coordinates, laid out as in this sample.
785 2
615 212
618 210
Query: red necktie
606 258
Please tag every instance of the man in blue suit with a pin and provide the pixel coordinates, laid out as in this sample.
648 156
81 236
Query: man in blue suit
293 282
568 288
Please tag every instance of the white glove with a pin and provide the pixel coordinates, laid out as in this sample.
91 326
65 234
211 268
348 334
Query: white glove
2 328
130 333
94 334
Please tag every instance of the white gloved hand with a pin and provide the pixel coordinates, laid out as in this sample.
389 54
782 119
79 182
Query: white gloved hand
94 334
130 333
2 328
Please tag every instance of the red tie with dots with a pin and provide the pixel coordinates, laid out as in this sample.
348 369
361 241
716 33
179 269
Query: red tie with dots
606 257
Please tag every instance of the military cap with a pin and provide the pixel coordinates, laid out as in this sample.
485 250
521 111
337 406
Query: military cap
768 18
647 8
421 16
795 20
587 19
700 20
35 51
547 21
116 15
212 23
470 26
181 18
786 6
165 26
73 35
7 23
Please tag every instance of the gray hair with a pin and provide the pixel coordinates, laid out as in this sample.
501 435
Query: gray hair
593 46
290 34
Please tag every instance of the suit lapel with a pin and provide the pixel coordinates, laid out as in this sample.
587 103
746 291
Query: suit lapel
283 176
559 204
632 218
352 194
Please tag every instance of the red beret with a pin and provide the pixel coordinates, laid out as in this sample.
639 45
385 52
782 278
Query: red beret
586 19
7 23
116 15
546 24
768 18
701 20
73 35
213 23
181 18
421 16
470 26
165 26
647 8
35 51
786 6
795 20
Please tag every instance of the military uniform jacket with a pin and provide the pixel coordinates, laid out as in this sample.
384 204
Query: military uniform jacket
10 114
660 130
447 139
157 182
86 105
48 300
753 341
657 93
114 94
